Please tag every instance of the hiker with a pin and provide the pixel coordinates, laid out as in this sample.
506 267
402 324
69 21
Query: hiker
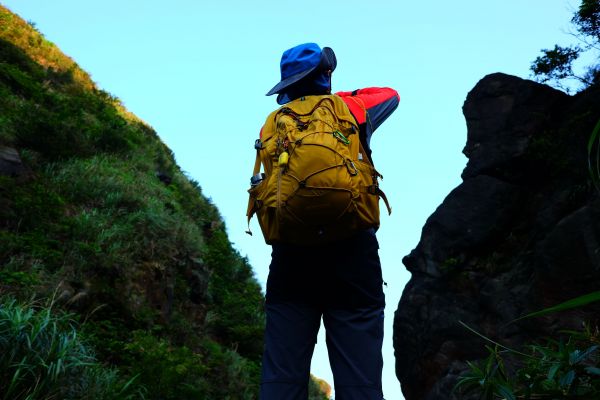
338 280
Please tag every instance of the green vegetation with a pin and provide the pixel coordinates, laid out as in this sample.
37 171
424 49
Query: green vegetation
567 305
318 389
594 156
556 65
102 220
565 368
42 357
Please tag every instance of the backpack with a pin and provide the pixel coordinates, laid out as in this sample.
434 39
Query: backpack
318 183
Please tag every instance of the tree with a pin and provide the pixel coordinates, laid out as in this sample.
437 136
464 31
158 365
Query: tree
556 65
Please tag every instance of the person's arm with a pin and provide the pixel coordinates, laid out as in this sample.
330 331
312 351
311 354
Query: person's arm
370 107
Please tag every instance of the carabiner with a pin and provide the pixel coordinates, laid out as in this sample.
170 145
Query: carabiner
351 167
339 136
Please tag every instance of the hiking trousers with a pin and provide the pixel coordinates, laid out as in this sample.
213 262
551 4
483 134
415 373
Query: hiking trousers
342 284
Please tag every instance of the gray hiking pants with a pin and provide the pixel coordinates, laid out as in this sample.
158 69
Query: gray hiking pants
342 284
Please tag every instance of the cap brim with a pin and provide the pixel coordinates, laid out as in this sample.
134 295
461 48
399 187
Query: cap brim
290 80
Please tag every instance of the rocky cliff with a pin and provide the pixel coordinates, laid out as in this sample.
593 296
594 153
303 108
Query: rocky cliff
520 233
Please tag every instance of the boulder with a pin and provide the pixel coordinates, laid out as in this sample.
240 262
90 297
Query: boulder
10 163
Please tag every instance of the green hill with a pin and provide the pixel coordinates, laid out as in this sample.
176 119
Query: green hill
98 221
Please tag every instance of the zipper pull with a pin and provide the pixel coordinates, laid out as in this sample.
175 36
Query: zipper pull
283 159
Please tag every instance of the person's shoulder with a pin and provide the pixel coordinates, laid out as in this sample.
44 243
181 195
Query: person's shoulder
269 124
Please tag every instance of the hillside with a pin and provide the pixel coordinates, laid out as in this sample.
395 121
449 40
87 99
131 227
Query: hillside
519 234
98 221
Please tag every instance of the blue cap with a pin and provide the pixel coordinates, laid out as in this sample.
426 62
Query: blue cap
299 61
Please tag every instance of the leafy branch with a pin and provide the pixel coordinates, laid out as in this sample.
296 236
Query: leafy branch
556 65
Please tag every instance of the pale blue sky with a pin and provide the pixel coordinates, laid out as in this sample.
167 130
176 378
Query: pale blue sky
197 72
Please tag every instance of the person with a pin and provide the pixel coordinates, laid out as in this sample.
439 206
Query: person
340 282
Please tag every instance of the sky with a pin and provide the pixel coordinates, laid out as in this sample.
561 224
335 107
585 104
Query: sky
197 71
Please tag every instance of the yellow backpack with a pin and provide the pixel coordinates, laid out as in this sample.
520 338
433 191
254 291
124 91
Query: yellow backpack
318 184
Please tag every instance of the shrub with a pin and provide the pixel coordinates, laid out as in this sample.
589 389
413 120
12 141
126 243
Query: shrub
42 357
564 368
178 373
568 368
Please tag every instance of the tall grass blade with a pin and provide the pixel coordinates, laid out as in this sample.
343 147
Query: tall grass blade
578 356
506 392
595 173
567 305
42 357
494 342
593 371
597 162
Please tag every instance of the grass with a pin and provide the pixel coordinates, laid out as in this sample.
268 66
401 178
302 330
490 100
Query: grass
557 369
568 367
42 357
594 156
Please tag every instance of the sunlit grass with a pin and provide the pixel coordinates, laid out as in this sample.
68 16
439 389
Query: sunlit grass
42 357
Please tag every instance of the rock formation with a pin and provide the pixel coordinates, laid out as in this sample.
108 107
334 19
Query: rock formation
520 233
10 162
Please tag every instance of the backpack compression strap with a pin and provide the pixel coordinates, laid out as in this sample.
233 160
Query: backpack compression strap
374 188
251 202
